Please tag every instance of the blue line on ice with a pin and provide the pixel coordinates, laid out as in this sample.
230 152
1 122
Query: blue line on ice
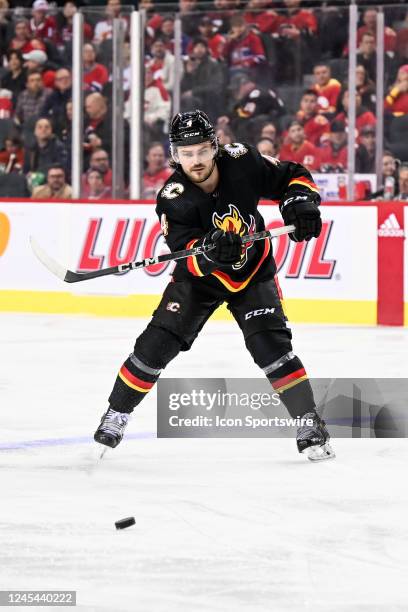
65 441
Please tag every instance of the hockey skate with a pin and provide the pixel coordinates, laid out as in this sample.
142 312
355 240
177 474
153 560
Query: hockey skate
111 429
313 440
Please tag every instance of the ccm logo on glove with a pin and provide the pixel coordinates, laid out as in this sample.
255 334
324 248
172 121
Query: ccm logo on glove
302 211
294 199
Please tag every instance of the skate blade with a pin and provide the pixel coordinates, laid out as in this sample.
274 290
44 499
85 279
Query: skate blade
319 453
103 452
94 458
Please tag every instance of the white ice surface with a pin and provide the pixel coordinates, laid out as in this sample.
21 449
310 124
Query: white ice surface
221 525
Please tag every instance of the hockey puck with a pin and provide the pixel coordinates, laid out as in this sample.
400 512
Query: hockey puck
126 522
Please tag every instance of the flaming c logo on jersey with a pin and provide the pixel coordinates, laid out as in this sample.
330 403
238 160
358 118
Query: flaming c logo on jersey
233 222
4 232
172 190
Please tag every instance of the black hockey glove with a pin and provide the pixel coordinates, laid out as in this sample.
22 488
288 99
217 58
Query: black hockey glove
228 247
302 211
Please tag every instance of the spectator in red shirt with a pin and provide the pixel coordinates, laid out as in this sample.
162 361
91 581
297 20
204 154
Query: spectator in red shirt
244 50
298 149
300 20
157 171
22 36
12 156
42 26
64 21
333 154
370 25
363 116
316 125
216 41
153 19
258 13
396 101
327 89
95 75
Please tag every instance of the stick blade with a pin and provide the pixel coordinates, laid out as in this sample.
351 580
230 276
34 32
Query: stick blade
47 261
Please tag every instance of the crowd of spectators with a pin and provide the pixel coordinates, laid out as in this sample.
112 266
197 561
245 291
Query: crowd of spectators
36 95
270 73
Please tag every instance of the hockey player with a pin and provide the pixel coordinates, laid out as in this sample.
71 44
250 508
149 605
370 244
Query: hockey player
212 197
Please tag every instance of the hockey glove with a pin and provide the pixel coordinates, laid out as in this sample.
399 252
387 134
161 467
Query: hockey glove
303 211
228 247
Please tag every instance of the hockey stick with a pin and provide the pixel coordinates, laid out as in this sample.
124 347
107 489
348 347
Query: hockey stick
74 277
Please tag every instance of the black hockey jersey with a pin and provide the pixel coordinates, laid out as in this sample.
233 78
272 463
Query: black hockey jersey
187 213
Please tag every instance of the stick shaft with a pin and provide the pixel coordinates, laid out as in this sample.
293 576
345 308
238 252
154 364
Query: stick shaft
74 277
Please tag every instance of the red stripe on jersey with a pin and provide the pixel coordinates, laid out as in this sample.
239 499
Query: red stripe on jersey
192 264
234 286
304 179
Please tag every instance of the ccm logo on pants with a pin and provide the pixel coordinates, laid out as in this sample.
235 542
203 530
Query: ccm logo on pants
257 313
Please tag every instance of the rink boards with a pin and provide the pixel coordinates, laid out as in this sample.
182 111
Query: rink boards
353 273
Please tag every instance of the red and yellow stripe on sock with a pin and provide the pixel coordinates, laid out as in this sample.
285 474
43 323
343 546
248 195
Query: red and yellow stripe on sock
287 382
133 381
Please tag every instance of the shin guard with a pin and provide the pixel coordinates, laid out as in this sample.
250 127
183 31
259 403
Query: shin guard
133 382
154 349
272 351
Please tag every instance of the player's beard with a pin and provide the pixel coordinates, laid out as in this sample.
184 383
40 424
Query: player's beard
207 176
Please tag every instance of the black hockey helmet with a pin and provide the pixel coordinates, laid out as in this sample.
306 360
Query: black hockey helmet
191 128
